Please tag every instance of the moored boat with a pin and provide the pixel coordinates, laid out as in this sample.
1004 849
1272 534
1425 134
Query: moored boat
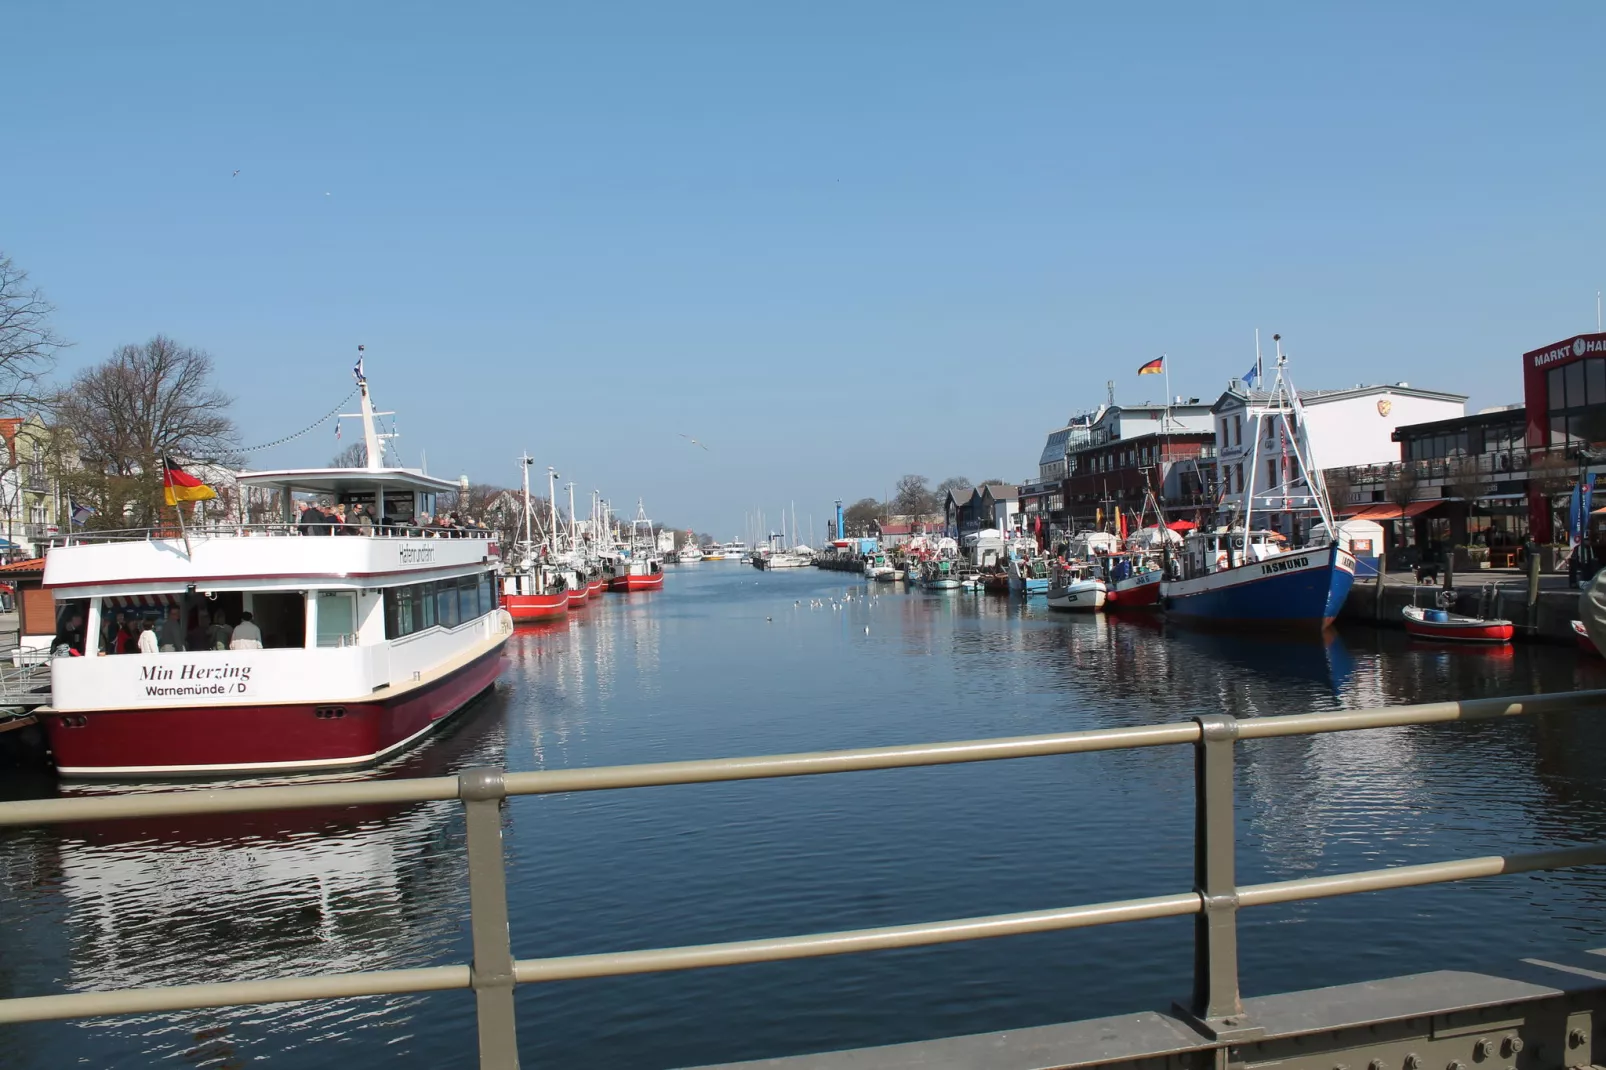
528 587
1440 624
635 567
1586 642
1076 589
283 651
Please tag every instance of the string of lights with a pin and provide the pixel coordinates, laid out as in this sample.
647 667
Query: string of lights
325 418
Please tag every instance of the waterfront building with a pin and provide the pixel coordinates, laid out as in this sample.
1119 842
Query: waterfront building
1178 467
998 505
1564 388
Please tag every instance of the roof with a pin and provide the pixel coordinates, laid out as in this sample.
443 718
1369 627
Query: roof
1389 512
343 480
1000 491
1517 414
35 564
962 495
1238 394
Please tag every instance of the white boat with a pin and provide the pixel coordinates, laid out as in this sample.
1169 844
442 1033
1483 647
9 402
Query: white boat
876 567
689 554
332 652
1076 589
737 551
784 559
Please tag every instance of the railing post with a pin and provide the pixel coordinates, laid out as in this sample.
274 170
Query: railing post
1216 1004
482 792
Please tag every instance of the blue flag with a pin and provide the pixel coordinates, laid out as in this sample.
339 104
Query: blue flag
1252 374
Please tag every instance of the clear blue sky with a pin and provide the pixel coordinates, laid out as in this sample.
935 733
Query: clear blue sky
835 241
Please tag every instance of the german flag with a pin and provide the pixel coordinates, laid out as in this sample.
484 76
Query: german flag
1154 367
179 486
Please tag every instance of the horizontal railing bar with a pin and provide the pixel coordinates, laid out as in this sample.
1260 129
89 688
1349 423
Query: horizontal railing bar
714 770
233 993
226 800
1476 709
1377 880
778 949
782 948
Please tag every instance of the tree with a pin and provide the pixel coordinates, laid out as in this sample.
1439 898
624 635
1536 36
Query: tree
913 497
1402 485
28 345
862 513
951 483
144 403
353 456
1340 484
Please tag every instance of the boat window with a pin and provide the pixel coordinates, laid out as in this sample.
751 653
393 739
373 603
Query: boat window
468 598
487 594
337 618
446 604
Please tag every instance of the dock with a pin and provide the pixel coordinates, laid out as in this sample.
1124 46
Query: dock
1502 593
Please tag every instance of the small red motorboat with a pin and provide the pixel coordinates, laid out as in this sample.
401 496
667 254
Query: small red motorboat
1585 642
1439 624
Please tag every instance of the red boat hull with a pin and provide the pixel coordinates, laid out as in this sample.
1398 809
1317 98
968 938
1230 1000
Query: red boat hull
1492 632
213 740
596 586
1144 595
529 607
577 597
636 583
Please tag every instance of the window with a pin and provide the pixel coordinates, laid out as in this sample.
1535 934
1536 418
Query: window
1237 429
1271 474
1575 385
1240 469
1595 381
1556 388
444 603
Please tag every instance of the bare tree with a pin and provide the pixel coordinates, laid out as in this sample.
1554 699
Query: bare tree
913 497
1402 485
145 403
951 483
353 456
1340 484
28 345
861 514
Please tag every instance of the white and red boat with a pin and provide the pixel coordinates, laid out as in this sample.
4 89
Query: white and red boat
636 567
358 645
1439 624
530 590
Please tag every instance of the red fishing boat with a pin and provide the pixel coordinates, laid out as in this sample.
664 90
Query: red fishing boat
531 591
1439 624
1140 591
636 567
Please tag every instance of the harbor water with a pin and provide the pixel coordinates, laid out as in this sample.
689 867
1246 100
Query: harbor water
729 661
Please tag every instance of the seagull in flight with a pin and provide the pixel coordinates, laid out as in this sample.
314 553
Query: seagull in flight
693 441
236 173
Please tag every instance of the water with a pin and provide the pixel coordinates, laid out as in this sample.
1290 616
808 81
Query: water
729 661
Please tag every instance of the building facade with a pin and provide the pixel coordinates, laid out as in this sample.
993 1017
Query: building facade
1564 388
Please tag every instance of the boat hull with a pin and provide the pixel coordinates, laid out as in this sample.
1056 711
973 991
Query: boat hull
1457 629
530 607
1029 585
577 596
1137 592
1078 598
179 741
1585 643
596 586
1304 589
637 583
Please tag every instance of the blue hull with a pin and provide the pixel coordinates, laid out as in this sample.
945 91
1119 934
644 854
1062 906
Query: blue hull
1029 585
1260 594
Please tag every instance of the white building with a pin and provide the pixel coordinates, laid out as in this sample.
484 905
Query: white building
1117 422
1352 426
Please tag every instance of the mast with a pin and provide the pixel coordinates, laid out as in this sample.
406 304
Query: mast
552 503
574 538
529 508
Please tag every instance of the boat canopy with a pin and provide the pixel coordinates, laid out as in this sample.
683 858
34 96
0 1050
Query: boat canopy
346 480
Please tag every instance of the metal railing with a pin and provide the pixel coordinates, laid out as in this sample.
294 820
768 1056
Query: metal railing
279 529
1216 1007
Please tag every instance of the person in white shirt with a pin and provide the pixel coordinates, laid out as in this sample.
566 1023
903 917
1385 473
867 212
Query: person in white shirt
247 636
147 638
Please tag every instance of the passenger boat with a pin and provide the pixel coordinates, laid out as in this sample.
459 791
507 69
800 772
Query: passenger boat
368 642
635 567
1586 642
1439 624
1076 589
689 554
715 552
529 588
1236 575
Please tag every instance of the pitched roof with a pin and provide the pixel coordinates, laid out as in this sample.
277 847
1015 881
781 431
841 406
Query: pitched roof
36 564
1000 491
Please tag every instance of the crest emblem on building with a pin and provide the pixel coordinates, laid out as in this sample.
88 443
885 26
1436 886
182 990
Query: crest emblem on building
1384 406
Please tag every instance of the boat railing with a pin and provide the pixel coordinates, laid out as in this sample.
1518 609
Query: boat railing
260 530
1214 901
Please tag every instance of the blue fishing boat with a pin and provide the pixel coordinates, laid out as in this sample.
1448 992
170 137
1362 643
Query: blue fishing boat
1236 575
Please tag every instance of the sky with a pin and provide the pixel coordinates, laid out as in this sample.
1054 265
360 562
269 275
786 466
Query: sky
835 242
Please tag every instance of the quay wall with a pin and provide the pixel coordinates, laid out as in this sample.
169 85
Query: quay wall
840 562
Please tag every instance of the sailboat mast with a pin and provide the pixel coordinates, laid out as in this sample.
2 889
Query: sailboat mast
552 503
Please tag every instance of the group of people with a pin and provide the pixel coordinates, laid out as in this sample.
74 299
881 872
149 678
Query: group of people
341 519
130 635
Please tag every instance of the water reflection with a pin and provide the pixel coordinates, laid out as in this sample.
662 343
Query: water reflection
729 661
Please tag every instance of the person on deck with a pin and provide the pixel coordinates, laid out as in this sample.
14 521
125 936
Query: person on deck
247 636
219 634
171 635
147 637
364 520
311 519
69 639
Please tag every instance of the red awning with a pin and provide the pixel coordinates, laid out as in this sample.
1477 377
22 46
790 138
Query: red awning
1390 512
1182 525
